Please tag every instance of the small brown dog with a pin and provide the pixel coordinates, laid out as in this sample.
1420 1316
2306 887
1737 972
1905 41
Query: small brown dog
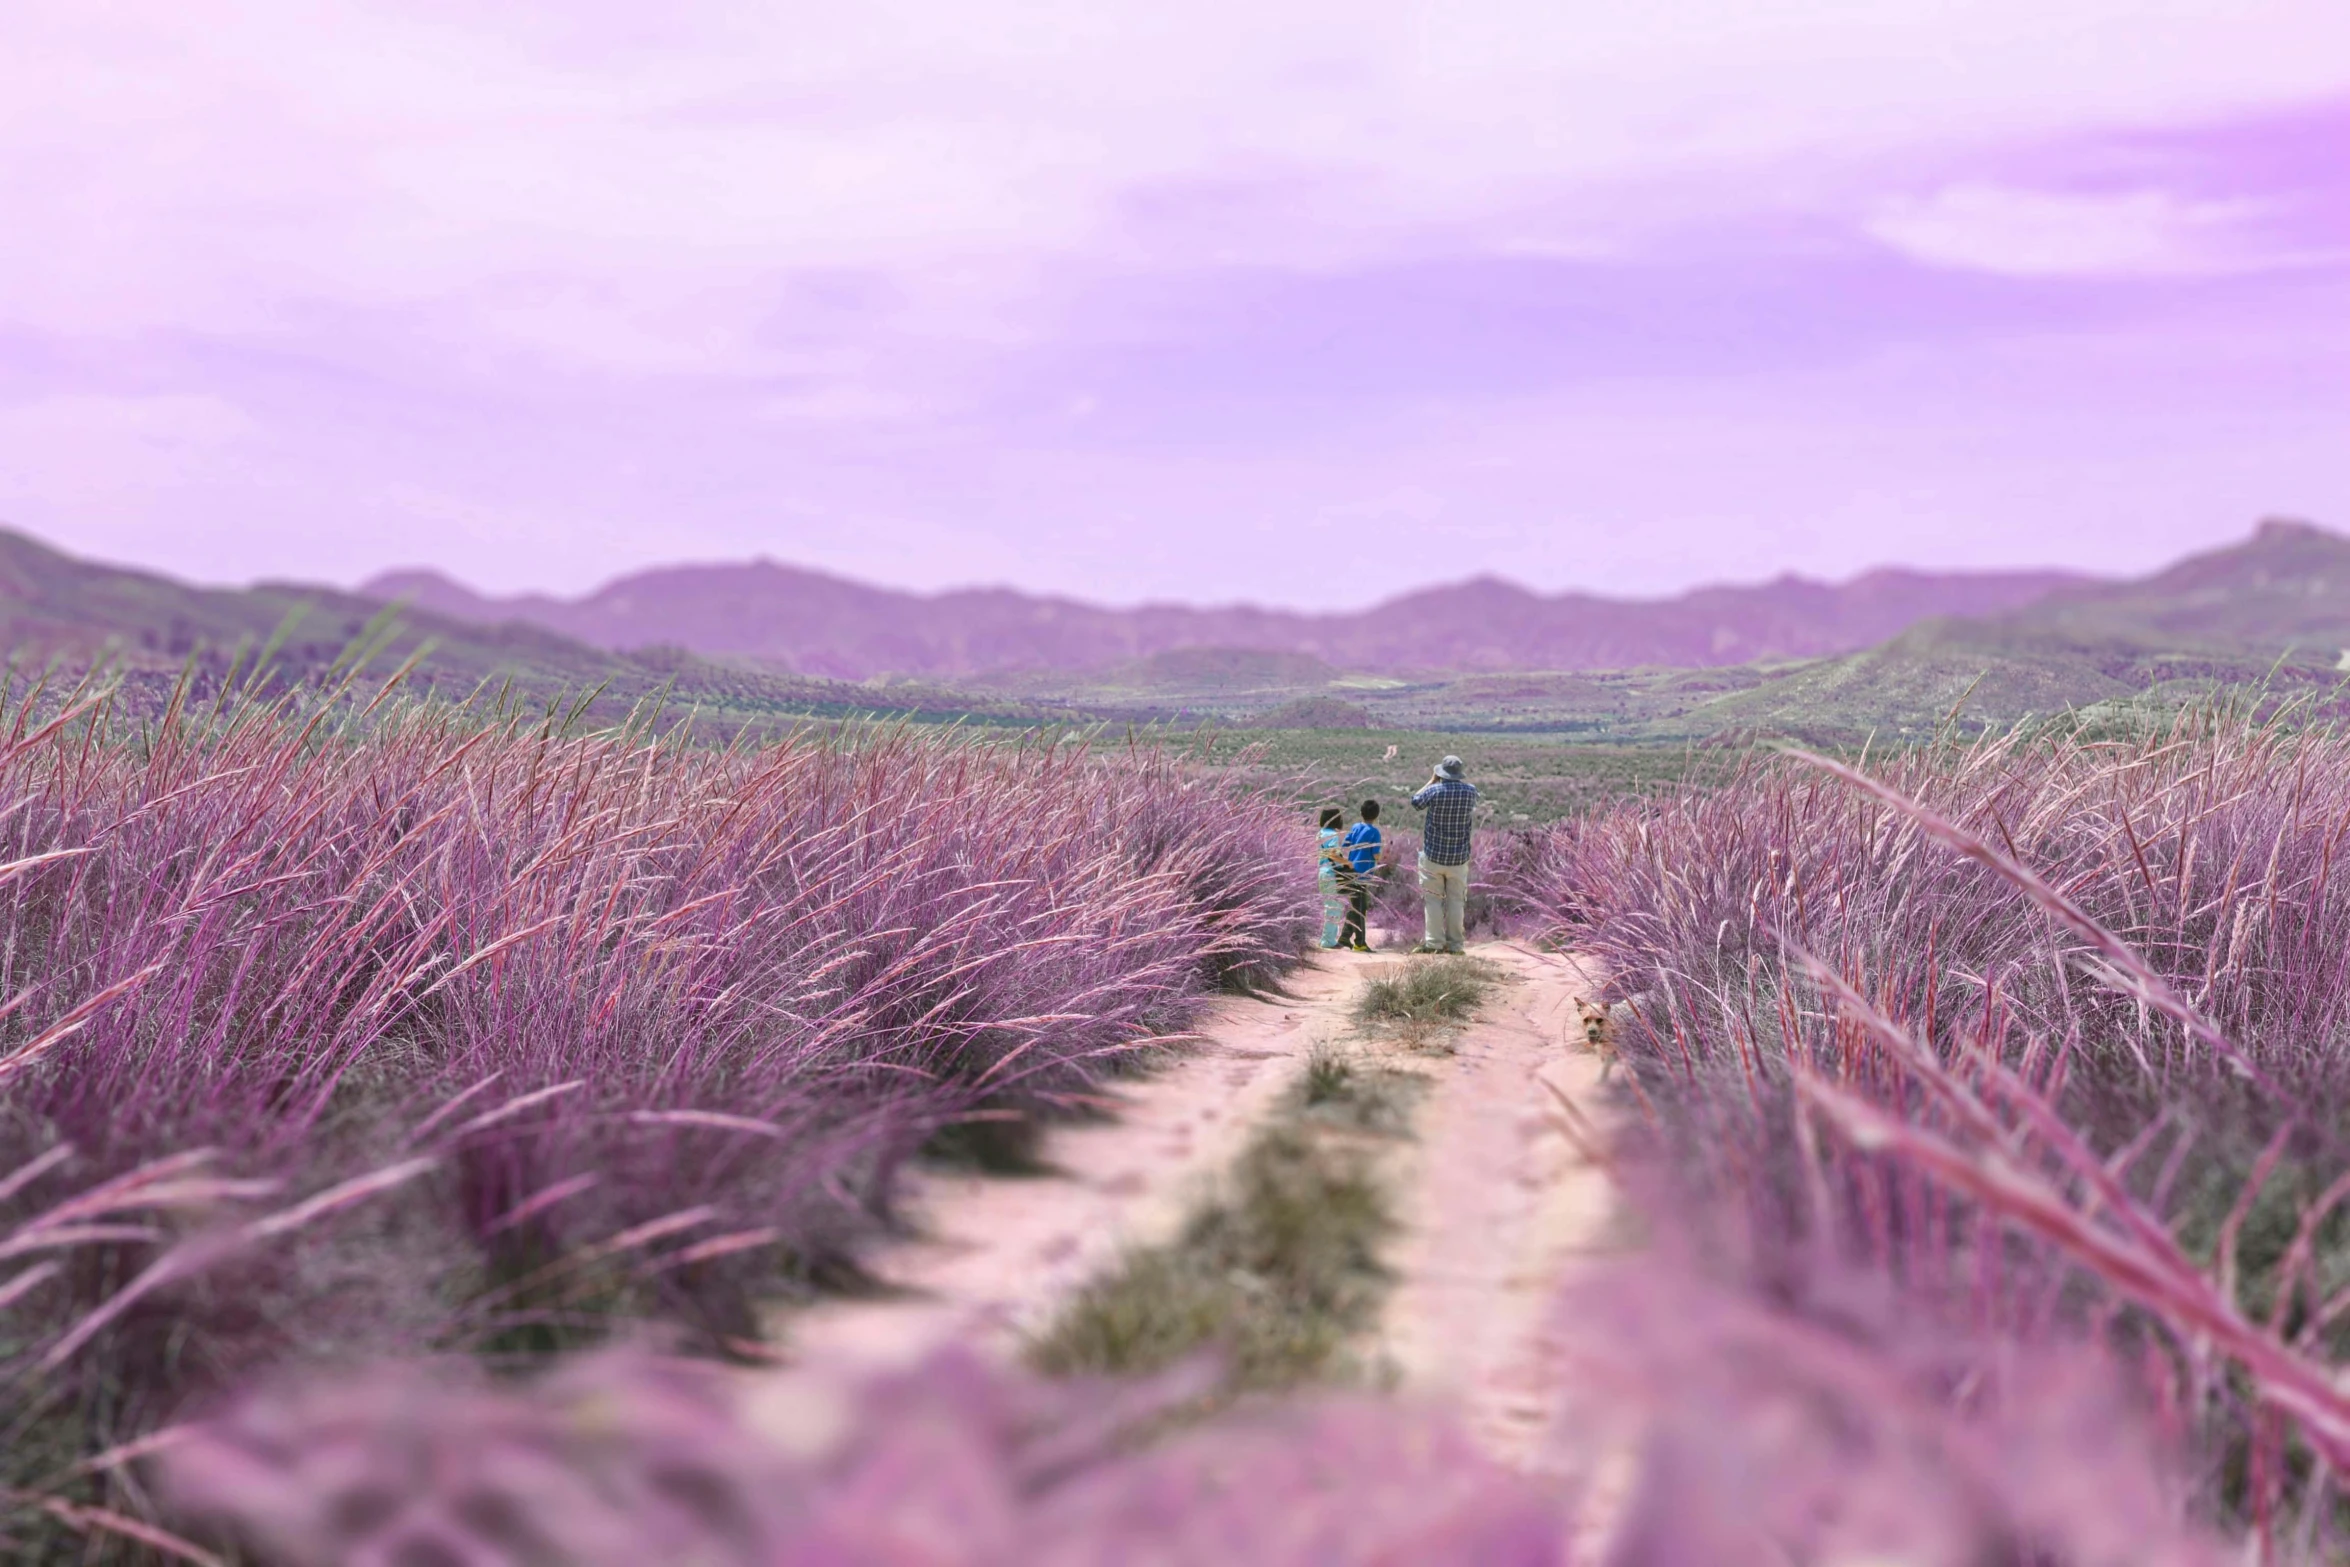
1599 1031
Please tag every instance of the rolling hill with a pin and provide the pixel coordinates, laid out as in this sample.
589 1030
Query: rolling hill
2287 587
2273 610
73 613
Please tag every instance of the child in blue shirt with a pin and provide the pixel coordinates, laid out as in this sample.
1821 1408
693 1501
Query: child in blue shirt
1364 850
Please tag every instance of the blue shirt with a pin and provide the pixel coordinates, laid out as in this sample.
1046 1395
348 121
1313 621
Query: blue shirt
1444 838
1362 847
1327 866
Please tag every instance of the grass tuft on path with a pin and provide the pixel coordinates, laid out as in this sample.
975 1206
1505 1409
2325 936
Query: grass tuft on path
1429 994
1339 1089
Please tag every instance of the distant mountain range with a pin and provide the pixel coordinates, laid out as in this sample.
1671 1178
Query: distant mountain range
2273 608
819 625
1889 653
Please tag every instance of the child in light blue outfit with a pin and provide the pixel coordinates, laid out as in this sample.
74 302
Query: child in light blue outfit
1333 848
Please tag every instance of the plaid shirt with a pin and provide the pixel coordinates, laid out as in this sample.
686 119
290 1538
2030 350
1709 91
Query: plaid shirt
1444 838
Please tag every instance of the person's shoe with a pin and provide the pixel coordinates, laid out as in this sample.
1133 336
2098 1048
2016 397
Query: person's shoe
1456 952
1360 946
1427 949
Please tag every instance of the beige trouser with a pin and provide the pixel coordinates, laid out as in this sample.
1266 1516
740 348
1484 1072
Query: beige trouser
1444 899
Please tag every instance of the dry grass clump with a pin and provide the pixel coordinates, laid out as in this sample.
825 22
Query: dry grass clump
1424 999
1340 1089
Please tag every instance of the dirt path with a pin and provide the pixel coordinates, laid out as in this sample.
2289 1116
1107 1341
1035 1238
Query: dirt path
1495 1199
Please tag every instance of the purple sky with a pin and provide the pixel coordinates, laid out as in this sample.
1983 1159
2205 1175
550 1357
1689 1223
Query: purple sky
1135 300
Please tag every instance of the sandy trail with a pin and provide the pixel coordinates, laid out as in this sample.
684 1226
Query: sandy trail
1496 1201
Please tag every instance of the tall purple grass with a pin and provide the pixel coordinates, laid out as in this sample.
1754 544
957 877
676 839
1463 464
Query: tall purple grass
1982 1105
642 1028
2045 1034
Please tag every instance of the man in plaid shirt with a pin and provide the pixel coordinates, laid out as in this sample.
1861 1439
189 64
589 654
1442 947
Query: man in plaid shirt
1444 856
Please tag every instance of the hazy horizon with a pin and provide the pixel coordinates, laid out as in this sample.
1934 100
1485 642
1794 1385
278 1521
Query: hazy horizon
1303 306
459 578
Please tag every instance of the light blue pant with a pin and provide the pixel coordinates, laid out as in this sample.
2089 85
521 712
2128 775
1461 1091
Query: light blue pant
1444 901
1333 910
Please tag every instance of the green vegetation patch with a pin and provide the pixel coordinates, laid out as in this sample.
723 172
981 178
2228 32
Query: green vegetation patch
1279 1270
